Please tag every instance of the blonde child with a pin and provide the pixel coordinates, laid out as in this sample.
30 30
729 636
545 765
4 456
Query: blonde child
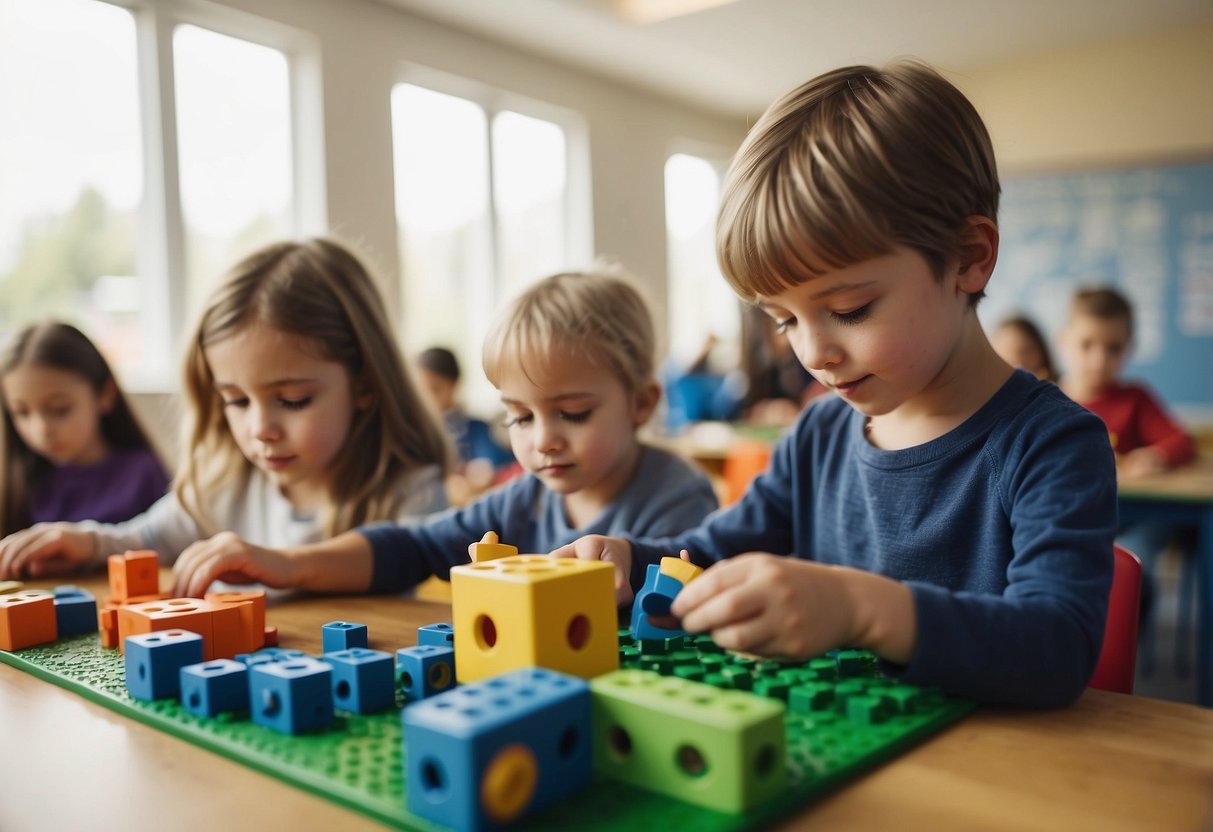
1095 344
304 422
573 358
1019 342
946 512
71 448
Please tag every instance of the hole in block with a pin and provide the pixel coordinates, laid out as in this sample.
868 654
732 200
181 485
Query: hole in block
620 742
343 689
433 778
691 761
764 763
579 632
269 703
440 676
486 632
568 742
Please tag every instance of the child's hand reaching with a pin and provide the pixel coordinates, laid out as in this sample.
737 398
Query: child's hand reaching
44 550
1141 462
228 557
789 608
614 549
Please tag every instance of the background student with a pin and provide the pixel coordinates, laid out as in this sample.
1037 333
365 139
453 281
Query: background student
304 422
573 358
949 513
1019 342
71 447
1095 344
479 459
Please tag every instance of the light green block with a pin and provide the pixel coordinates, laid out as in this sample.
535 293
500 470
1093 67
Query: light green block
716 748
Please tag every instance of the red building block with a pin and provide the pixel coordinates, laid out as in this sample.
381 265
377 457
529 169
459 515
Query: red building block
27 618
133 574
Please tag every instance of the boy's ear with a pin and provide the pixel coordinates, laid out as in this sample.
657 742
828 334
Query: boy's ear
645 400
977 254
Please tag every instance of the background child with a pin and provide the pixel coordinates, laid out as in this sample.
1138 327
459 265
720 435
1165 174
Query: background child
1094 346
949 513
71 448
479 456
1019 342
304 422
573 358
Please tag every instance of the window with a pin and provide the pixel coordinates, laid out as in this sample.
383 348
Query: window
72 161
234 151
481 203
93 169
701 303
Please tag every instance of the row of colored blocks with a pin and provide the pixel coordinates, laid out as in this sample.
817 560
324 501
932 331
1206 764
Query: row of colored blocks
34 616
286 689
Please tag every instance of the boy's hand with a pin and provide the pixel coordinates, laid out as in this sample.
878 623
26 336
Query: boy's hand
789 608
228 557
598 547
44 550
1141 462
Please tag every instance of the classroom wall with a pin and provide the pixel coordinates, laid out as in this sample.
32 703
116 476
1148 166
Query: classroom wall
1123 105
1146 99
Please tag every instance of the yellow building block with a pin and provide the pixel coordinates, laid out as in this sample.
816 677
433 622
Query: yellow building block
10 586
534 611
680 570
489 548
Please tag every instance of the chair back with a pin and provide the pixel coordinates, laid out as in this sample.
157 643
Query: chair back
1118 659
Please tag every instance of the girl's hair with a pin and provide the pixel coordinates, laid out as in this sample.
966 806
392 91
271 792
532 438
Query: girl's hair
848 166
321 293
57 346
1025 327
597 316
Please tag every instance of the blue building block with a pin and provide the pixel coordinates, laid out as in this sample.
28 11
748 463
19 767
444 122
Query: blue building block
75 611
342 635
291 697
210 688
425 670
488 753
438 635
654 598
154 662
364 680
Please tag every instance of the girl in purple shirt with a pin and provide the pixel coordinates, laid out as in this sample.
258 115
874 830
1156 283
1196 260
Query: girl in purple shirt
71 448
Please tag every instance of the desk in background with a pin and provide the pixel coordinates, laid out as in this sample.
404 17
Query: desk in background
1108 762
1183 496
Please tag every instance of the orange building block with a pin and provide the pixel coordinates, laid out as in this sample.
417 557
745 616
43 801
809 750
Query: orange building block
133 574
27 618
271 636
107 626
251 605
193 614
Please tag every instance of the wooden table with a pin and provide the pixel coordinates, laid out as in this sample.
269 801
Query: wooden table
1109 762
1183 496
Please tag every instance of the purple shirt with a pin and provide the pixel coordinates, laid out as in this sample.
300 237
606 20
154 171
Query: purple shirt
117 488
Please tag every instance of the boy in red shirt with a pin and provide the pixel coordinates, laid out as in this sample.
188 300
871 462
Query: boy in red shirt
1095 345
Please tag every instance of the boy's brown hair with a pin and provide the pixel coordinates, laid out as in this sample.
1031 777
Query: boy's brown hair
1103 303
848 166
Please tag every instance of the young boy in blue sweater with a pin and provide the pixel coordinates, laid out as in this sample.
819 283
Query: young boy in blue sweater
949 513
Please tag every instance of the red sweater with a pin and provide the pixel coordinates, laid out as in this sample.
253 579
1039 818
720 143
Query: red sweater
1136 419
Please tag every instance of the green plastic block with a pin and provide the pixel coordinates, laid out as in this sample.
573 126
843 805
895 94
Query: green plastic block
721 749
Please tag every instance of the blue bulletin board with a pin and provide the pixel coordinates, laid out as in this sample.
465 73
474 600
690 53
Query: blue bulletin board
1148 231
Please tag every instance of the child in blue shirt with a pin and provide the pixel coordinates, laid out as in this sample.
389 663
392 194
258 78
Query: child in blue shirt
949 513
573 358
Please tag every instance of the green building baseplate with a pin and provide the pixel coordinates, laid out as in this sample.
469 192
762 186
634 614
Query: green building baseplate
843 719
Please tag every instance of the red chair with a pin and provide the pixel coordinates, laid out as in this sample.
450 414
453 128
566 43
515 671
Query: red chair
1118 659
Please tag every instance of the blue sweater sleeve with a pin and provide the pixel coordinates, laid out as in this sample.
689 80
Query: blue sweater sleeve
405 555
